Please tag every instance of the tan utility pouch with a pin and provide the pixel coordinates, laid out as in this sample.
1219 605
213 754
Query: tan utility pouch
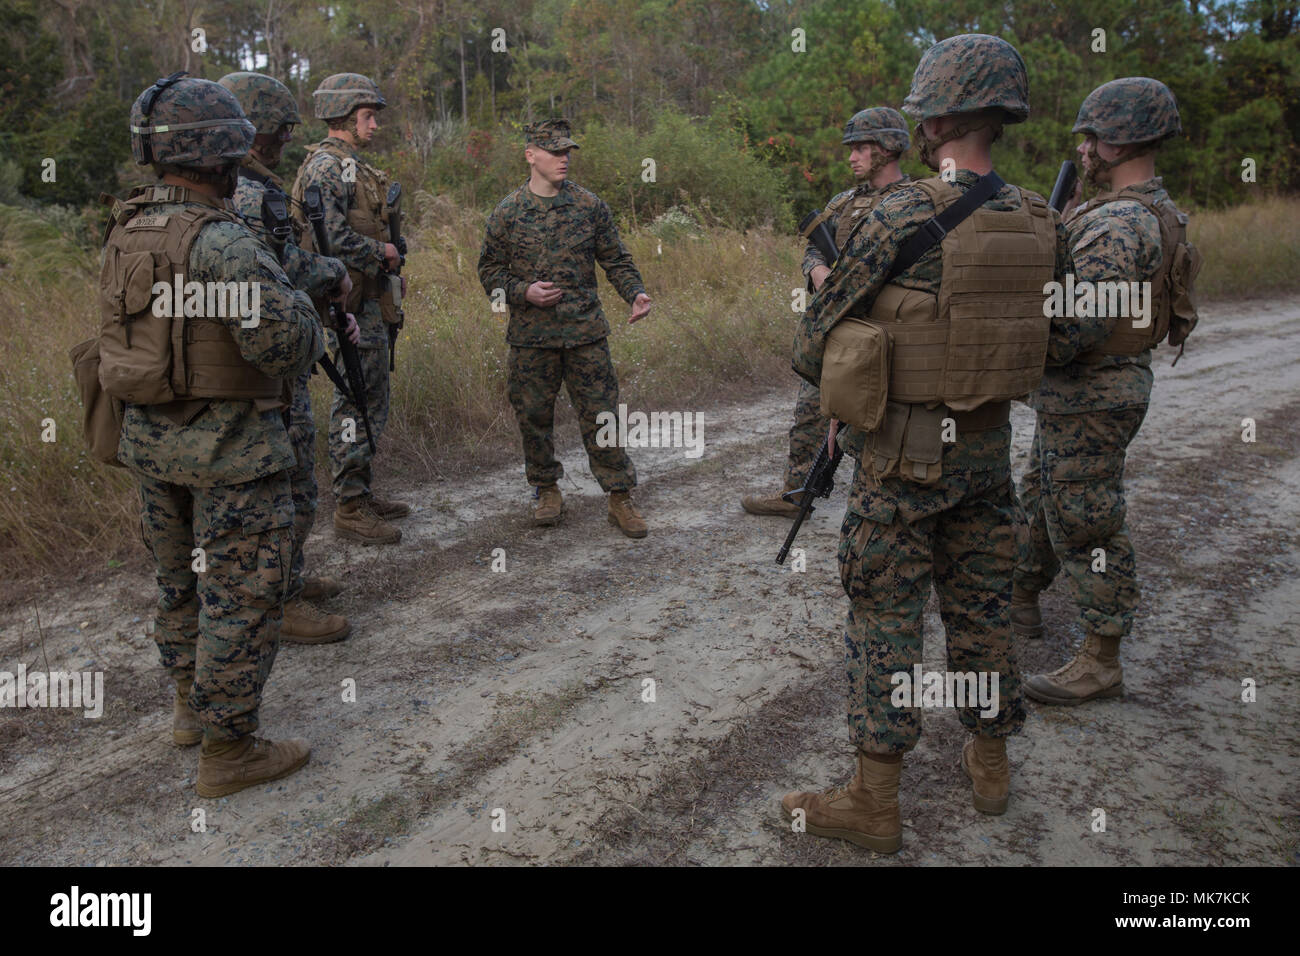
908 445
102 418
855 373
922 459
135 345
389 297
1182 281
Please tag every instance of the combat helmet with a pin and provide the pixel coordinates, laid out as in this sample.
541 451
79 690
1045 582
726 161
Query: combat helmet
880 125
266 101
340 94
184 121
1135 109
966 73
969 73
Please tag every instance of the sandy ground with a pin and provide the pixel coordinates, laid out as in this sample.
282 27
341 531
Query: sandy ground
518 696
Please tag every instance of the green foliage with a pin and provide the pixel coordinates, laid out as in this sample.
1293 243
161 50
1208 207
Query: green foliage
700 163
695 163
629 73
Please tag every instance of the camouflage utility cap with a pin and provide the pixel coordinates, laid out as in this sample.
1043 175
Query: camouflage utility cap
966 73
880 125
184 121
552 135
266 101
1135 109
340 94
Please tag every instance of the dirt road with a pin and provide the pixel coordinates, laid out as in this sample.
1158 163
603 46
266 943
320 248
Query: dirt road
524 691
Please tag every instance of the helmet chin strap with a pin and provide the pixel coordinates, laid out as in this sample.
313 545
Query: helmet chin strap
231 181
929 144
1097 165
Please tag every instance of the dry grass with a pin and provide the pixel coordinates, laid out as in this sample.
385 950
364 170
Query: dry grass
721 323
1250 250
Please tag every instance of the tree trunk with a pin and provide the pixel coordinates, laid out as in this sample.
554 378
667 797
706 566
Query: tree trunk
464 87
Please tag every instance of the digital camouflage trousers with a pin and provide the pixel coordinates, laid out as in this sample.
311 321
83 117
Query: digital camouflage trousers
1073 496
587 373
968 551
222 557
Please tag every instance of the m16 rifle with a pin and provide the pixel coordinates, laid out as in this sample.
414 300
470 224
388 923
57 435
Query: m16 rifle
819 484
395 236
356 384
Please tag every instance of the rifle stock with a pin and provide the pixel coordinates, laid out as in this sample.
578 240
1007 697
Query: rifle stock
1064 188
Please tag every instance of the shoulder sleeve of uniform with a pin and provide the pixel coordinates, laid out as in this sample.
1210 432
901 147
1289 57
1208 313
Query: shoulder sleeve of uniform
1110 243
225 238
582 194
907 205
1089 232
1137 220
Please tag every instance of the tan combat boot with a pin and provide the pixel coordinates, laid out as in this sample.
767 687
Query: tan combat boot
1026 618
186 729
387 509
316 589
357 521
865 812
771 506
1095 672
304 623
985 761
230 766
550 506
624 514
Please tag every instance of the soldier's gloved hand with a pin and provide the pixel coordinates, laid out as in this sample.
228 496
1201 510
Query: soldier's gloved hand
353 331
543 294
640 307
392 258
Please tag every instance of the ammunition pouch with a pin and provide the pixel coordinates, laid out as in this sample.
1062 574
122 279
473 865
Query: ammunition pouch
102 415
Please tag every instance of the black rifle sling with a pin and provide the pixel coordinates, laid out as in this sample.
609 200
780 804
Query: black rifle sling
334 375
935 228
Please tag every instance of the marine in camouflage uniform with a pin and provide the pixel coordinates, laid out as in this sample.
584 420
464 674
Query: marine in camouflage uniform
960 527
878 138
214 473
353 194
542 243
1091 404
271 109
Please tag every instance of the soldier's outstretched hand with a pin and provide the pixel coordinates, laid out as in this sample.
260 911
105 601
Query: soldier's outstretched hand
640 307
